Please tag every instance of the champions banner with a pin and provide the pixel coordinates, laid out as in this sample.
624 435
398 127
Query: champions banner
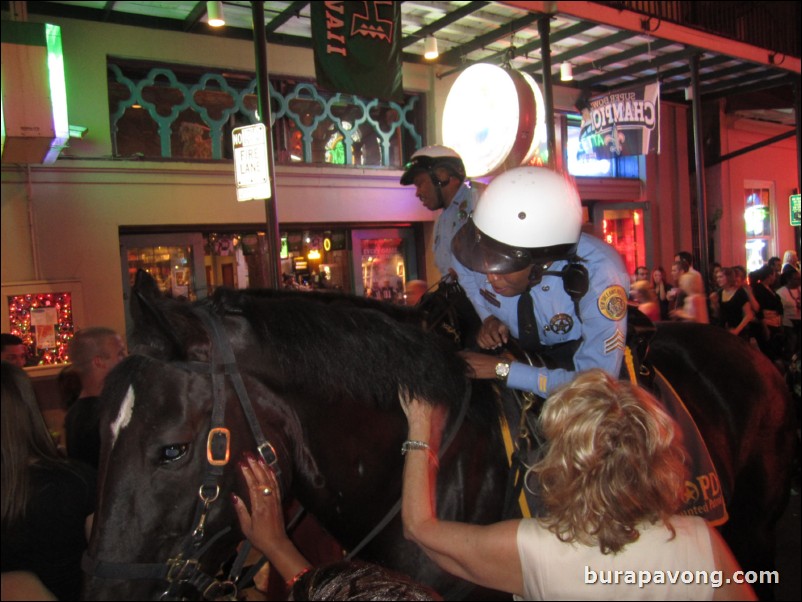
357 48
622 123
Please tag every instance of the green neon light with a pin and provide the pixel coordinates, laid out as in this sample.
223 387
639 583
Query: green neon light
2 124
58 86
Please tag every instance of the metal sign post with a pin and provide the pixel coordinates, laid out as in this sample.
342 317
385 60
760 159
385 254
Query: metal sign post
273 262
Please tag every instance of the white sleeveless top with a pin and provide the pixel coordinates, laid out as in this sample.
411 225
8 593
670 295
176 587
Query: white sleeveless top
554 570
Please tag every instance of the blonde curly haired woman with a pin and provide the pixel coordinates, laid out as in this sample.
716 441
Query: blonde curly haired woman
611 481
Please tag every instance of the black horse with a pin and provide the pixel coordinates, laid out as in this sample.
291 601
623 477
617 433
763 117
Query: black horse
322 376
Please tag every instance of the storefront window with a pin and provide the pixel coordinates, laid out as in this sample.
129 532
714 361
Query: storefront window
585 159
758 197
171 268
315 260
44 322
383 268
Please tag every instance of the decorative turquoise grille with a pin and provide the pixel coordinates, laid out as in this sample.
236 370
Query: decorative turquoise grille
164 115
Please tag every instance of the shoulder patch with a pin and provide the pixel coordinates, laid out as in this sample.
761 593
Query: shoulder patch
613 303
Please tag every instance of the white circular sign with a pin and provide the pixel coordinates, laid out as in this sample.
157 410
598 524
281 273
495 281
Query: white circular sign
493 116
480 118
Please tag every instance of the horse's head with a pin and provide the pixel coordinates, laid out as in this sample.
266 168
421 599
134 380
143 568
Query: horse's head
330 368
165 509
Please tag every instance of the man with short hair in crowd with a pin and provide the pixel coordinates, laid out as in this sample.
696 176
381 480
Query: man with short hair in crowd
641 273
94 352
12 350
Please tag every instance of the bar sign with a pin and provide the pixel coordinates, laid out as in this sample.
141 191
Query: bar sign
796 208
250 162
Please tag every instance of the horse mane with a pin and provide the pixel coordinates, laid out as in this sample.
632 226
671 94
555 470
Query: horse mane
227 297
343 347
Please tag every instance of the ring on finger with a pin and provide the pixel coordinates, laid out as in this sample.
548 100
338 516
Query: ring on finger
267 491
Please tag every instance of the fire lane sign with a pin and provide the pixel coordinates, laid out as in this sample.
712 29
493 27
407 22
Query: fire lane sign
250 162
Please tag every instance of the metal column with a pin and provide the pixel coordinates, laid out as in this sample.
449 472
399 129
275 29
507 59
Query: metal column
543 29
701 199
273 262
797 93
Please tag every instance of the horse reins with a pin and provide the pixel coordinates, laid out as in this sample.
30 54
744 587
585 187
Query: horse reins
185 568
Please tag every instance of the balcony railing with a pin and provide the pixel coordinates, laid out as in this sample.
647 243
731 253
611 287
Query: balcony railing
770 25
185 113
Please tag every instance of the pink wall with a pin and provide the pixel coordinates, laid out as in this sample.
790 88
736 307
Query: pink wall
776 163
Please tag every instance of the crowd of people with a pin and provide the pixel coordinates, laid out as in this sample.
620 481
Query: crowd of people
611 474
762 306
49 492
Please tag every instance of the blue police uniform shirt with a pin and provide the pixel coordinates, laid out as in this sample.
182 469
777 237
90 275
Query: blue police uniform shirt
452 219
603 309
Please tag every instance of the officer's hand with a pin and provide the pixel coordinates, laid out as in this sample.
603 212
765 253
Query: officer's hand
481 365
493 333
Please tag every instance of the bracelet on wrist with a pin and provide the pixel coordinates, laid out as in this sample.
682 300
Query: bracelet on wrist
298 575
412 444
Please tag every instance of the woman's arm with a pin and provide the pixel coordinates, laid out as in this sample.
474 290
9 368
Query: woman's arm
748 316
753 302
483 554
264 527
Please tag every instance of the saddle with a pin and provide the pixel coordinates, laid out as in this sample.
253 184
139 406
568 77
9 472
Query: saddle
704 495
703 492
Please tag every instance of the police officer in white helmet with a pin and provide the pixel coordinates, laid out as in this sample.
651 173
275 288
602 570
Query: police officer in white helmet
438 174
533 275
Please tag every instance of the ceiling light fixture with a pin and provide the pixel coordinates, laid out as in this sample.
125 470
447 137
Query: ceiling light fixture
566 71
430 51
214 10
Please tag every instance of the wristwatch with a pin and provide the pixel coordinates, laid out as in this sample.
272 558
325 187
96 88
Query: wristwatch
502 371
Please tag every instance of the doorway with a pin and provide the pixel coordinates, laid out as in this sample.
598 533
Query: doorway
624 226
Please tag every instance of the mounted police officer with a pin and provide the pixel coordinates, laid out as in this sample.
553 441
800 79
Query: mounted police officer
532 274
438 174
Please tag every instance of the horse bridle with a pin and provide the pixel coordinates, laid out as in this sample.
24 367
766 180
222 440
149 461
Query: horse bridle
184 569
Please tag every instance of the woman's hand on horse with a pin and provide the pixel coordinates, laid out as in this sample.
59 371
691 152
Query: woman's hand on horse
419 416
264 525
426 420
493 333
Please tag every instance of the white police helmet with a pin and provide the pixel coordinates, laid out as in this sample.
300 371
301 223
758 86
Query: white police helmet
527 215
429 158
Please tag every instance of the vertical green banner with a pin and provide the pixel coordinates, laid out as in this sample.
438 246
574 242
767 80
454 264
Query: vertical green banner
357 48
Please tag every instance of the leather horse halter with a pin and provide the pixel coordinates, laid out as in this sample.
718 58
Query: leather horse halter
184 569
